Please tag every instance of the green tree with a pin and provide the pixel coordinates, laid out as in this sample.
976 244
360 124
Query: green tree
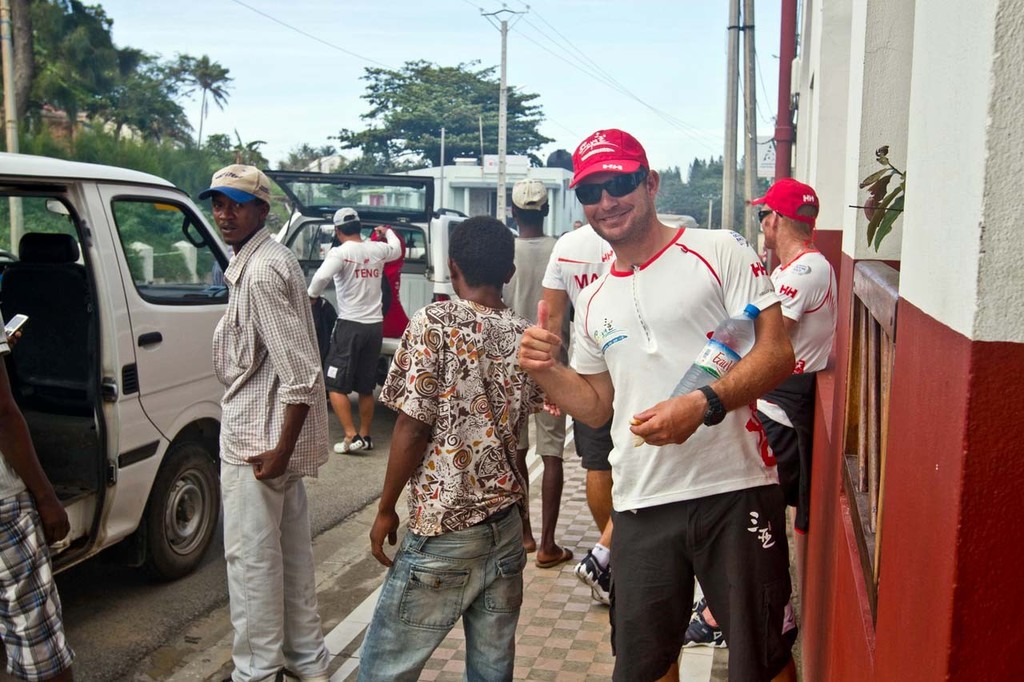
76 62
143 101
301 156
209 77
409 106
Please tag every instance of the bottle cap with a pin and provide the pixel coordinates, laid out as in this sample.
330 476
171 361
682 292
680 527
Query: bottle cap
751 311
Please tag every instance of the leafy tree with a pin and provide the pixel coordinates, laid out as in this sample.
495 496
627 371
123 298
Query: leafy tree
143 101
209 77
301 156
409 106
75 59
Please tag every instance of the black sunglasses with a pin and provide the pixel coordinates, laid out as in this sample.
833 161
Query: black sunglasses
764 213
619 186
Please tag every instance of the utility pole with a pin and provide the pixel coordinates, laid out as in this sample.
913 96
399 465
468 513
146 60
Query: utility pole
10 111
784 117
731 118
440 199
502 111
750 229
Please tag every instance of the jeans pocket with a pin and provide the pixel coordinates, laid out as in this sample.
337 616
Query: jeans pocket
505 594
433 598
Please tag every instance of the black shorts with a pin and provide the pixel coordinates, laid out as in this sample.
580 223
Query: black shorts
351 362
593 445
735 544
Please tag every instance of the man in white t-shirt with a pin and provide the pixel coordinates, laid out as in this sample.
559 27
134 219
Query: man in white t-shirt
579 258
699 496
356 266
521 294
807 284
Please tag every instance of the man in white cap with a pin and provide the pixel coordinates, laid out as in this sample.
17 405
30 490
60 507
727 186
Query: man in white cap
356 266
523 291
273 432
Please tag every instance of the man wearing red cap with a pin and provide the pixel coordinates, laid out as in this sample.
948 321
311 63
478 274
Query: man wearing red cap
699 495
807 284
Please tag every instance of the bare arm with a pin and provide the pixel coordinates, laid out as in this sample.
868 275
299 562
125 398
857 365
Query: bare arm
768 362
408 443
557 301
17 448
274 463
587 397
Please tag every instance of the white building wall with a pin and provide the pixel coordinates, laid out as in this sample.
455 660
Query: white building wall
963 220
881 49
823 84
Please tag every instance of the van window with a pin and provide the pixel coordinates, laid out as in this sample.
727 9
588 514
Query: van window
169 253
311 243
38 214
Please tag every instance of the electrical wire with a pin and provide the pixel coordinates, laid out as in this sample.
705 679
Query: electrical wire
310 35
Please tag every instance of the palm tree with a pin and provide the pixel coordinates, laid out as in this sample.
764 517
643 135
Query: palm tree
208 76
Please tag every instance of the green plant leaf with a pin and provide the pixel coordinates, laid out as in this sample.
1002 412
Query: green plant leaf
893 212
875 177
880 211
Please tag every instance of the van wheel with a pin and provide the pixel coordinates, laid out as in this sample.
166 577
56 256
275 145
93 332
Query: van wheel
182 511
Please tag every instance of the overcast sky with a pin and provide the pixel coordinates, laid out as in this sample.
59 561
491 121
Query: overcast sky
297 64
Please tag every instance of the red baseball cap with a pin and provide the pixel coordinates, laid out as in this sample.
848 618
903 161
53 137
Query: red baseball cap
610 150
792 199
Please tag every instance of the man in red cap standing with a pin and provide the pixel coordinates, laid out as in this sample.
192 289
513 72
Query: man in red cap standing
699 495
807 284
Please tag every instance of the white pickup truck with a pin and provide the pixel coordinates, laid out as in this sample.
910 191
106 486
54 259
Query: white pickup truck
121 278
405 202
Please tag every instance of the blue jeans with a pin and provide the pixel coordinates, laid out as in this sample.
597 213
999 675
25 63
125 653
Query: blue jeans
476 573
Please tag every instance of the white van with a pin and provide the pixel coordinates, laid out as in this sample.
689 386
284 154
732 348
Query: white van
122 281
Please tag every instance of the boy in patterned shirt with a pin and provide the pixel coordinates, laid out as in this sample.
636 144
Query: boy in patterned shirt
461 398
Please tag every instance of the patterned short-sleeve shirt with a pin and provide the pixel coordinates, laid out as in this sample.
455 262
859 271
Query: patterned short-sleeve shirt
458 370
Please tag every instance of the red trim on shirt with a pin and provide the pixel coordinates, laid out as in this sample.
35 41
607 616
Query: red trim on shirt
808 249
586 317
581 262
703 260
627 273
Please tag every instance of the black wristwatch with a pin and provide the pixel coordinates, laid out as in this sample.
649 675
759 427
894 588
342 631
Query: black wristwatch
716 410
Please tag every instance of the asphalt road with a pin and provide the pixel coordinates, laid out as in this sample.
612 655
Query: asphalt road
116 616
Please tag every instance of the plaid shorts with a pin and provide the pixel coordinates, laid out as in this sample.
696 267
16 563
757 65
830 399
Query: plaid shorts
30 616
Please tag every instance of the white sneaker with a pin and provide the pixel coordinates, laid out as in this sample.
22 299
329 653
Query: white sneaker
343 447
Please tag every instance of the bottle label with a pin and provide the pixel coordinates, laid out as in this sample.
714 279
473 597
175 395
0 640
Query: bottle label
716 358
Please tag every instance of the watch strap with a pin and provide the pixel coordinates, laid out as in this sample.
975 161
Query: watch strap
716 410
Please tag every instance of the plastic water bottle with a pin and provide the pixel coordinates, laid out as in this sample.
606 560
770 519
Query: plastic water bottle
733 339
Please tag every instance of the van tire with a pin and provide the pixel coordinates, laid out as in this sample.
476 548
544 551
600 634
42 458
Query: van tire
182 511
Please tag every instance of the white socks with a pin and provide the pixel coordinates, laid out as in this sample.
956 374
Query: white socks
602 554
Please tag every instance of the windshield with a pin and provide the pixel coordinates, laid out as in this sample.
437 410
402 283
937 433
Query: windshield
372 197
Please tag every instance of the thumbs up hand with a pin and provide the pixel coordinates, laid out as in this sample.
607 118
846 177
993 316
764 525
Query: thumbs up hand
539 348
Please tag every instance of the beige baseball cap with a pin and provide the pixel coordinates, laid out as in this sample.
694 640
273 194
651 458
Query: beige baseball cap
239 183
530 194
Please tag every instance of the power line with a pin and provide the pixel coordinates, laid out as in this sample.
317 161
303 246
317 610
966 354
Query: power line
764 90
589 67
310 35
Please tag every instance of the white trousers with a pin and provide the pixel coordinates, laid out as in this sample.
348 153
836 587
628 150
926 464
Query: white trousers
271 582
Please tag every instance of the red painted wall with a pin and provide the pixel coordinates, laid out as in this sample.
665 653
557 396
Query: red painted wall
951 593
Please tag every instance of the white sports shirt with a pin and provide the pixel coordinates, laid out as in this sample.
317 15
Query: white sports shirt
807 285
356 268
579 257
645 326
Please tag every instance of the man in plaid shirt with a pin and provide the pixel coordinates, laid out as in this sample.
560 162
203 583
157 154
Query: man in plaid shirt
273 432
